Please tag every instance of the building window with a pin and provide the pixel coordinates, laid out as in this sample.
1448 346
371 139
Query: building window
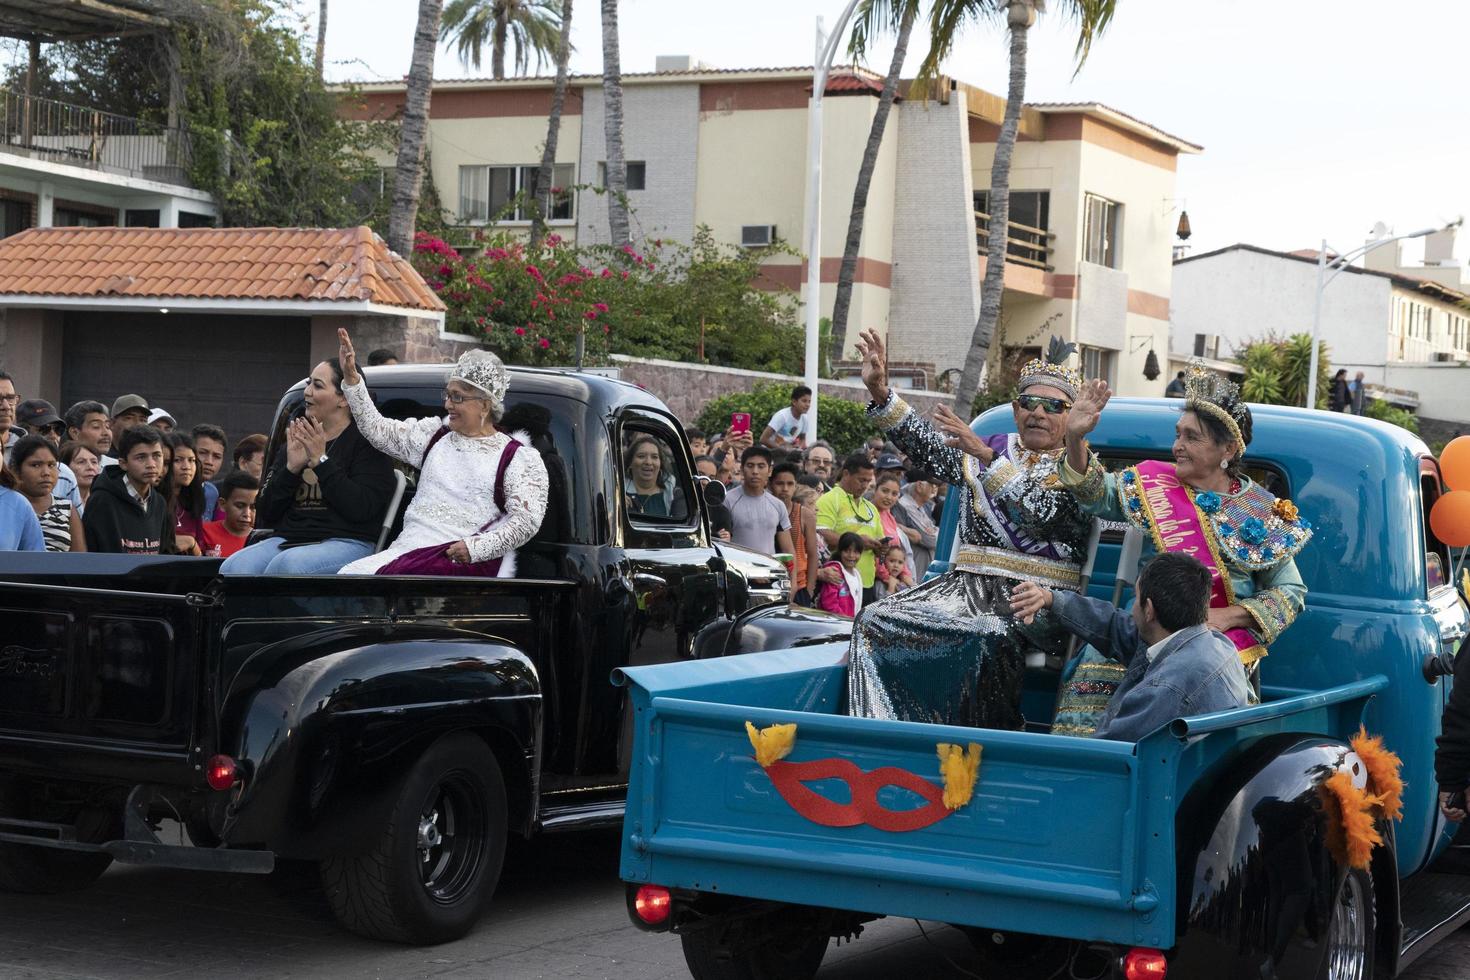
636 172
496 193
1098 362
15 216
189 219
1030 217
69 214
1103 226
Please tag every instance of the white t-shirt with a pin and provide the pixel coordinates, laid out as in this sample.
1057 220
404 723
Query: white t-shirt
755 520
788 426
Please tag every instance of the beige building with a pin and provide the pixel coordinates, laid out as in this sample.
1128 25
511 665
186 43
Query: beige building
1092 210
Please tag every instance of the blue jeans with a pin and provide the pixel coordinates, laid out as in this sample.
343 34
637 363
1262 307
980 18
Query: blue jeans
322 558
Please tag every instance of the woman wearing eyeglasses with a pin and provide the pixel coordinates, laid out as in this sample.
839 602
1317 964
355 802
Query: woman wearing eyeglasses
1208 508
324 496
479 497
949 651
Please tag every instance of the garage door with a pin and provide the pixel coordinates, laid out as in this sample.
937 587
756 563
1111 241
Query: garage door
227 370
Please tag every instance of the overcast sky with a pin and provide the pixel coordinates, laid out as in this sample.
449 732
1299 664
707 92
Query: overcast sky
1318 119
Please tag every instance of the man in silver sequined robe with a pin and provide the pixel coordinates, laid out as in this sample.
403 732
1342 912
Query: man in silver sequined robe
949 651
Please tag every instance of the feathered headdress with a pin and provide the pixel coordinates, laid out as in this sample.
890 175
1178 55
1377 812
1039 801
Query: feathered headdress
1051 369
1216 396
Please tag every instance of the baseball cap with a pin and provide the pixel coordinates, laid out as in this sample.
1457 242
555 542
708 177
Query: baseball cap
125 402
160 413
888 461
36 411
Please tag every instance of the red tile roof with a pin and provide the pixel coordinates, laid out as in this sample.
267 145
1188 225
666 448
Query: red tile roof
326 265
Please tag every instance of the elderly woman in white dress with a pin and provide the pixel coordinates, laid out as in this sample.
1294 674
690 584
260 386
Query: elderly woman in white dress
459 458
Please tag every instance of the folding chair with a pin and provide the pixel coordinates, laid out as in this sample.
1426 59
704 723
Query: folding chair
400 484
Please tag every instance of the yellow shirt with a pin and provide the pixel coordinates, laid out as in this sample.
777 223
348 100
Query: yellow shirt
840 512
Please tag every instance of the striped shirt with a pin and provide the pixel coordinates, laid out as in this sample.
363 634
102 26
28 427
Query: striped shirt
56 525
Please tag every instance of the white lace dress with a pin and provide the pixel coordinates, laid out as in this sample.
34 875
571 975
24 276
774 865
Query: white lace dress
456 488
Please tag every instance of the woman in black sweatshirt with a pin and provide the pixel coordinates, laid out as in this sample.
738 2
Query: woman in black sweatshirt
325 494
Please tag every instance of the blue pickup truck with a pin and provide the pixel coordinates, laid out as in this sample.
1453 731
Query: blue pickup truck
1204 850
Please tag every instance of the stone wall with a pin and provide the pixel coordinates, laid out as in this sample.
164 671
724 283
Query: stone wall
687 388
414 340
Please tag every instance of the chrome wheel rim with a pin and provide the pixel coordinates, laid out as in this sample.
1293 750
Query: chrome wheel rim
1348 949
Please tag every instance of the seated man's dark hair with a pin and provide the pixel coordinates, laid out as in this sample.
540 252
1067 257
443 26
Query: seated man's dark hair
800 391
238 480
136 436
755 451
791 468
380 355
1179 587
855 462
78 413
849 539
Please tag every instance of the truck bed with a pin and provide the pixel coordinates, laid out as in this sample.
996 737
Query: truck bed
1071 837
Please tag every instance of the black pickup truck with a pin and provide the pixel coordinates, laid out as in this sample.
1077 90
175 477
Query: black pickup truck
394 729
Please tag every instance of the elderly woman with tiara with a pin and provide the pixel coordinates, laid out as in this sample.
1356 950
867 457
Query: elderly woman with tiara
1201 504
481 492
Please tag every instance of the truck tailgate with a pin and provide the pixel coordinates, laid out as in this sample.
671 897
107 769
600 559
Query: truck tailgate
1051 840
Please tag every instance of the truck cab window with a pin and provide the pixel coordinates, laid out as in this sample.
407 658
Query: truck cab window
656 486
1436 554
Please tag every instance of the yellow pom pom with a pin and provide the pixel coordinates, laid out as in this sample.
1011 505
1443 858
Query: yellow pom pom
771 744
959 769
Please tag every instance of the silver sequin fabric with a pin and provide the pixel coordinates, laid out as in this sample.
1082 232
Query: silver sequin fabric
949 651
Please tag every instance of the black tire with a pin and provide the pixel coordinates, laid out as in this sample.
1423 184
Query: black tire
434 868
1352 926
792 958
46 871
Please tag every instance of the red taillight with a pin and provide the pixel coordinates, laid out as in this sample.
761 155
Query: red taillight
1144 964
221 772
653 904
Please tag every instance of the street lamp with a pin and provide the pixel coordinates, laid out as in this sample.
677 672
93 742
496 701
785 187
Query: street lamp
826 51
1337 265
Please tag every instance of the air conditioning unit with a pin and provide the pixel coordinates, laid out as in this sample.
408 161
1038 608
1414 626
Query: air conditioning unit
757 236
1207 345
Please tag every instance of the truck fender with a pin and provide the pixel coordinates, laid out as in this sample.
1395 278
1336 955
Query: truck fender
1256 880
326 725
775 626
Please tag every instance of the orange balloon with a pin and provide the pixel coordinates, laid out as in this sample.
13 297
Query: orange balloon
1450 518
1454 463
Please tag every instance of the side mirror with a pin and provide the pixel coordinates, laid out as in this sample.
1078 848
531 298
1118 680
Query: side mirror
713 491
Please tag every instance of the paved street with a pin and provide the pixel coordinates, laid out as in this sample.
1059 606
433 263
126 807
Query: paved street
558 914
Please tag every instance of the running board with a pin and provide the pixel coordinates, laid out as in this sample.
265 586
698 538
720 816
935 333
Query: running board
1432 905
580 816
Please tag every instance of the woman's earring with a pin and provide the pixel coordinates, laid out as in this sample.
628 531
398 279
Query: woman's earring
1225 464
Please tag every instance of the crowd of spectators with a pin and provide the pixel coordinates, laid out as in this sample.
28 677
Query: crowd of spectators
852 528
124 479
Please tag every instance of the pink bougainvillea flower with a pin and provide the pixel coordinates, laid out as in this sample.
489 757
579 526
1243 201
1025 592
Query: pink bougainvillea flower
590 314
545 343
600 307
625 273
534 273
607 273
520 331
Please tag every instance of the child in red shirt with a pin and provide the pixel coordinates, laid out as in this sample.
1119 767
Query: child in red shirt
221 539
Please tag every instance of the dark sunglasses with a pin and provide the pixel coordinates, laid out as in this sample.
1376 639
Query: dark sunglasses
1053 406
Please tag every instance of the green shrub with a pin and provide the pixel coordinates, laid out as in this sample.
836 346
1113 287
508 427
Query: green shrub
1377 408
839 421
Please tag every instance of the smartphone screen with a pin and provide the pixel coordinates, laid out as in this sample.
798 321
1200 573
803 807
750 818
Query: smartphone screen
740 421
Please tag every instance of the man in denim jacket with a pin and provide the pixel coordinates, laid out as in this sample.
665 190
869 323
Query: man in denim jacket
1176 665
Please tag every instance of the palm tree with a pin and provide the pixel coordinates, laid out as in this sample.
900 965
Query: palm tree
946 20
415 132
873 16
543 177
321 38
532 26
612 125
